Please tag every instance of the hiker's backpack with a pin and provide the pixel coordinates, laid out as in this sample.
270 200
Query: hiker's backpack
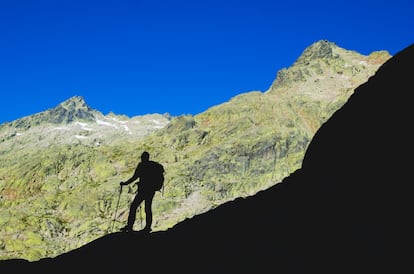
156 172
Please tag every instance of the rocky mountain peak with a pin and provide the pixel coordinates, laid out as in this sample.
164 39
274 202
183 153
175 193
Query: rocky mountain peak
327 62
75 102
73 109
322 49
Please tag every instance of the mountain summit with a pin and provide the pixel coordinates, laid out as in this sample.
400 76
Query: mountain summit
75 102
73 109
319 50
327 65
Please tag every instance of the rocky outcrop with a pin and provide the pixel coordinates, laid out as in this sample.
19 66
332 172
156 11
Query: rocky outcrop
73 109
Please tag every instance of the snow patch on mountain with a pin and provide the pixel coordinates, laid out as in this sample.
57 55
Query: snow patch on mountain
83 126
127 129
104 123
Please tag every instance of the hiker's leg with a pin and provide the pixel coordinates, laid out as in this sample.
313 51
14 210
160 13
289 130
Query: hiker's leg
148 211
133 210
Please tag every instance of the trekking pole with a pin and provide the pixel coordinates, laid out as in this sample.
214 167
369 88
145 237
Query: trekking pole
116 209
140 216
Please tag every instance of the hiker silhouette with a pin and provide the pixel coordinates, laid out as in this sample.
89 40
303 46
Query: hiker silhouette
150 174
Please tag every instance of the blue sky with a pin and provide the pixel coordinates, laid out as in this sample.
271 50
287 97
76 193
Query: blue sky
180 57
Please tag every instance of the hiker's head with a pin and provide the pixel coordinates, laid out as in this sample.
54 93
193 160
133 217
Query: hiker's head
145 156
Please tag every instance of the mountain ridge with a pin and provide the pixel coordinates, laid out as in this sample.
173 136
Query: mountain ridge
70 110
74 121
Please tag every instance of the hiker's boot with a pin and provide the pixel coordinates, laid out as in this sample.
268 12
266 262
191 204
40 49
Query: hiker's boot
126 229
147 229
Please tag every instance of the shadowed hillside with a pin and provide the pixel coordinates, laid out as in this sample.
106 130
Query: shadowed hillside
346 210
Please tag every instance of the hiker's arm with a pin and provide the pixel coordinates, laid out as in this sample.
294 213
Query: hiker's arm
133 178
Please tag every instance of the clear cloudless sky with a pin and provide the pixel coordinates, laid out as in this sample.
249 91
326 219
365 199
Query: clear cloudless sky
179 56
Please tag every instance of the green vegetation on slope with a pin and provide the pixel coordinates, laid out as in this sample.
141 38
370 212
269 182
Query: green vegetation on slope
55 198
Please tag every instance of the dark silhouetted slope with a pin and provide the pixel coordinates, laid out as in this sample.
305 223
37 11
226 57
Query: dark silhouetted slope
347 210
